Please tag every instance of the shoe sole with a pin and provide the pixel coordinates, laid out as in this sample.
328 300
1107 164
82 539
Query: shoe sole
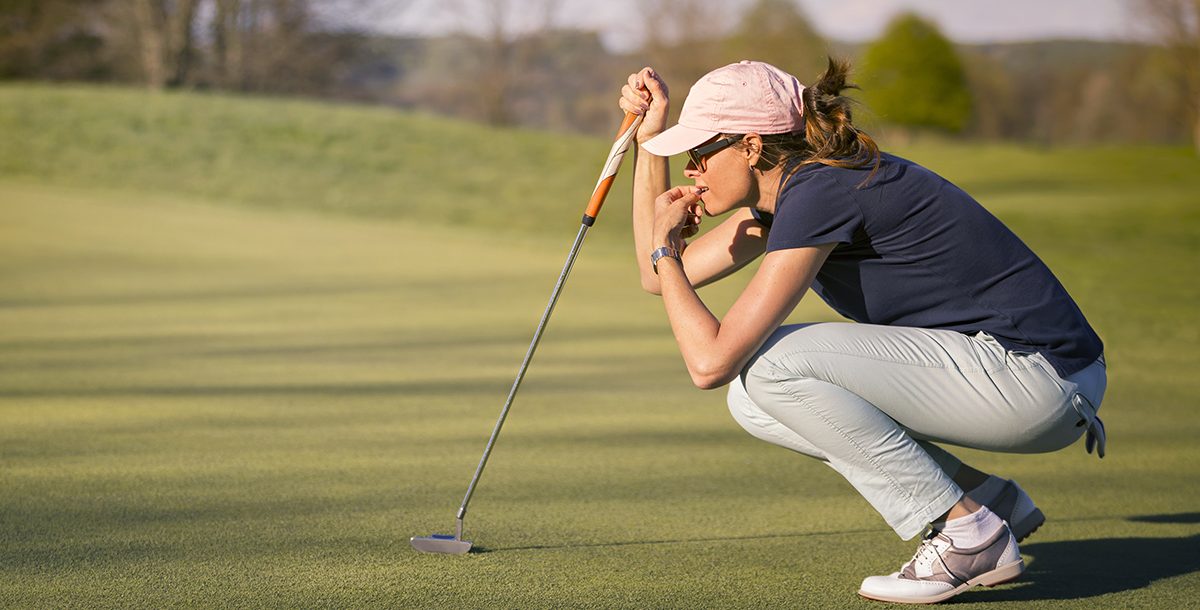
1027 526
998 576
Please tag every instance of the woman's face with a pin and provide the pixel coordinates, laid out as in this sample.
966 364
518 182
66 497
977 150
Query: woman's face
728 177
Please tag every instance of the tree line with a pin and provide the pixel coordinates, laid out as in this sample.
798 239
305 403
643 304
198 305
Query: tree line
273 46
549 76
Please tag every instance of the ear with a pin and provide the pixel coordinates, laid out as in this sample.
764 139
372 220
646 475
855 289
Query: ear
752 146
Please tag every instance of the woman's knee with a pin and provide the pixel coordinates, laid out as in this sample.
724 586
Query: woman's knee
795 351
763 426
744 411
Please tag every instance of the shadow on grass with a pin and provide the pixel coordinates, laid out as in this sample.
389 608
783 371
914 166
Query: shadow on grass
1066 570
584 545
1180 518
1079 569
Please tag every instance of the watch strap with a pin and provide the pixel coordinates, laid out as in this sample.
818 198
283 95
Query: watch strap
661 252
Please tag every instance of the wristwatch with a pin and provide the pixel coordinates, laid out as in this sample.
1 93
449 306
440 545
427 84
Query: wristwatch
661 252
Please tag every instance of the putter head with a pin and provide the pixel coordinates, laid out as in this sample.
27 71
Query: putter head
441 543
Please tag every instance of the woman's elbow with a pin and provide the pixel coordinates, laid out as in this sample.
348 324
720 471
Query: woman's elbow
652 286
711 378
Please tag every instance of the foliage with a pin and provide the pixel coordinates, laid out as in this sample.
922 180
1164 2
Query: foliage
777 32
912 77
1176 25
51 39
513 63
241 45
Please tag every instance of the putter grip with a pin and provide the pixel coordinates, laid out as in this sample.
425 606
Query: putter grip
609 174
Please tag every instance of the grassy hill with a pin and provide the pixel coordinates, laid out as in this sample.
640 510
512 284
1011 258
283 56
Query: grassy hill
248 347
295 155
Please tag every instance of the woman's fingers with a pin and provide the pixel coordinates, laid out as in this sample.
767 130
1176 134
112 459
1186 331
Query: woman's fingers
630 102
637 85
681 195
677 214
631 107
681 205
653 84
635 97
645 94
692 220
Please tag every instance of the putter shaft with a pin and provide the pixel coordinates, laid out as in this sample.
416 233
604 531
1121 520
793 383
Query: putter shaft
456 545
512 393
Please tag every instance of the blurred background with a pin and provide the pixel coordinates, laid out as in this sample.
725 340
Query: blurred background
267 268
1075 72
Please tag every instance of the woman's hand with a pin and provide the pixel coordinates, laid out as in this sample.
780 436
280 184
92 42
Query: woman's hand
645 94
677 216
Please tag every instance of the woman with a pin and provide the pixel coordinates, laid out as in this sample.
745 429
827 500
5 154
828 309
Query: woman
962 334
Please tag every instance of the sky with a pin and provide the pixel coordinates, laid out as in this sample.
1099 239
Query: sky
976 20
967 21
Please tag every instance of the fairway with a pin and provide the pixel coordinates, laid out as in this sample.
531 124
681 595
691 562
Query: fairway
212 398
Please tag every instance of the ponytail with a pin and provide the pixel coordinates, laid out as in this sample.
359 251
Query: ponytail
831 136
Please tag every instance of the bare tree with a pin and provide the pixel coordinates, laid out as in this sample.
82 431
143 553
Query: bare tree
149 21
778 32
1175 24
181 28
682 39
163 30
491 56
55 39
268 45
227 43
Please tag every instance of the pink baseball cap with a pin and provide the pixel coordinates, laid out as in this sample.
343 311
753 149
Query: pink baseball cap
746 97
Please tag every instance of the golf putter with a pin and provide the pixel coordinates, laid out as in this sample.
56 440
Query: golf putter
453 543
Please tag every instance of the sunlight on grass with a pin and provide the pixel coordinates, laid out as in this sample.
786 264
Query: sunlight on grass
248 347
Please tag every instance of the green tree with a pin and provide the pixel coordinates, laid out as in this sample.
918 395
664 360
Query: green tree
777 32
912 77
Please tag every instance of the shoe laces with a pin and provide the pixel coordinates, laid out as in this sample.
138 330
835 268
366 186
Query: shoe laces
927 554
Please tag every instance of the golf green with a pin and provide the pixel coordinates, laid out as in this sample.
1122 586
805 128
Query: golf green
213 403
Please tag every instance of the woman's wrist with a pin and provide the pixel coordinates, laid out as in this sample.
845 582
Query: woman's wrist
665 243
663 253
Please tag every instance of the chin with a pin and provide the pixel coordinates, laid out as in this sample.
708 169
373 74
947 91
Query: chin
711 210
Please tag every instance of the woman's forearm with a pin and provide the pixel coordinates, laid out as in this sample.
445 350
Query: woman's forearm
651 177
715 350
696 329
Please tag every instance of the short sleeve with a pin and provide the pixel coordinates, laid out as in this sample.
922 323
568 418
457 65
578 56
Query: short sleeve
764 218
814 209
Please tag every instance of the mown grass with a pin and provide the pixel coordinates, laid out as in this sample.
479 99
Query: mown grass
292 155
215 393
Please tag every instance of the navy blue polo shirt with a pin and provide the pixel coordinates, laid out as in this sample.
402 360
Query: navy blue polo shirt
915 250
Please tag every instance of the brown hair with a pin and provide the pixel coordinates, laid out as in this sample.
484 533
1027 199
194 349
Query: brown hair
829 136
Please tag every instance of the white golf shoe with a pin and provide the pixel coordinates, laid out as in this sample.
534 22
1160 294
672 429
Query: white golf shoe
939 570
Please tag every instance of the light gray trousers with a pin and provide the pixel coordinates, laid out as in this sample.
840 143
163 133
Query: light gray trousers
868 400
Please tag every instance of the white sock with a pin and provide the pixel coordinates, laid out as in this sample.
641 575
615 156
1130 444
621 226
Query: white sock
987 491
974 529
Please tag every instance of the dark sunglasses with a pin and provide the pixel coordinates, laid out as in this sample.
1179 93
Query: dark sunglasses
700 153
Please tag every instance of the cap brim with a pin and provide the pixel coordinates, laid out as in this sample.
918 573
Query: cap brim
676 140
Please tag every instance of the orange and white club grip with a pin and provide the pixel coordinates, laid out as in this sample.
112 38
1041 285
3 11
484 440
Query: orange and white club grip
609 174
